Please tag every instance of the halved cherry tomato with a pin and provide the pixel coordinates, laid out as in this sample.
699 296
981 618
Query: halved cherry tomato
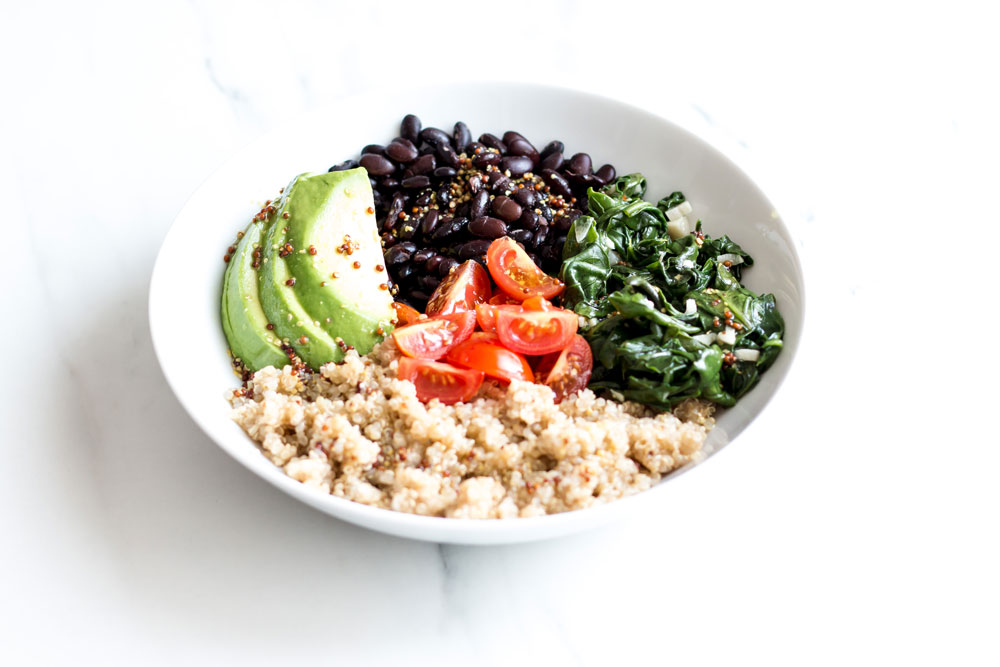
536 332
462 289
432 337
539 303
483 352
500 299
444 382
515 273
568 371
405 314
486 314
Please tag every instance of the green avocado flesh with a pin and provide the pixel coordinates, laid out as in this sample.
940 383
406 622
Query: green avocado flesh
320 227
243 319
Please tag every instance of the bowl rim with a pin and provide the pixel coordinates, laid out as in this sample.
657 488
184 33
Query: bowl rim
442 529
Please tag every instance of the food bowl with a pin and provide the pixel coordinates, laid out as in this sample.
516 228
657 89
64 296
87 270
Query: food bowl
186 283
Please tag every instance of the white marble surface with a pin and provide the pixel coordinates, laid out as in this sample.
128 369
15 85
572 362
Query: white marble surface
855 524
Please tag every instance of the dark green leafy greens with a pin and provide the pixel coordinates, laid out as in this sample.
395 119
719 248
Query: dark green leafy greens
632 283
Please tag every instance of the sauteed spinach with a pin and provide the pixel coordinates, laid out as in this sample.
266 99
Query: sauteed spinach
667 318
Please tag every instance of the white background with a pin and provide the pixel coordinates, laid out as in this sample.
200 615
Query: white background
856 523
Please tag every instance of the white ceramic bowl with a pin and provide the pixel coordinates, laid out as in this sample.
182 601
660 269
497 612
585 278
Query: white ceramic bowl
186 282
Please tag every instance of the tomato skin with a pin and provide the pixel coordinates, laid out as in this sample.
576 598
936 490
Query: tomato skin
514 272
567 371
405 314
536 332
486 314
462 289
483 352
432 337
444 382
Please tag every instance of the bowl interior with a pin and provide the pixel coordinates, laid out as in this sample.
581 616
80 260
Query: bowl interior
186 283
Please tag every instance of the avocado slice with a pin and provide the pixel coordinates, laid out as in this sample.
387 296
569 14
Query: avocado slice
337 261
315 313
243 319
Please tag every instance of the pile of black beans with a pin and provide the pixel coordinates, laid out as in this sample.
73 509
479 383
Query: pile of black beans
441 199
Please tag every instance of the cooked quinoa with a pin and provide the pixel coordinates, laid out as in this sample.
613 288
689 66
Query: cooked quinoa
356 431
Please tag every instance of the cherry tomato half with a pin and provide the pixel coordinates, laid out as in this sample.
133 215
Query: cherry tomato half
483 352
444 382
432 337
515 273
462 289
405 314
486 314
568 371
536 332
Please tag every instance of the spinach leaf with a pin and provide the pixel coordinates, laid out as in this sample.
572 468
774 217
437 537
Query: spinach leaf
634 283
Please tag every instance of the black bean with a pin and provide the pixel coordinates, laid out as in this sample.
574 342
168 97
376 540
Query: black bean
582 181
376 165
461 136
445 267
427 149
472 249
522 236
377 199
388 240
486 159
550 253
345 165
402 150
421 256
435 136
580 164
540 236
605 174
450 230
552 161
444 172
526 197
506 208
408 246
388 184
559 242
490 228
493 141
419 298
557 182
524 148
547 213
434 262
475 183
428 282
430 222
444 193
423 165
410 127
396 255
530 220
447 156
552 147
408 230
499 184
405 271
517 165
373 149
473 147
416 182
395 208
565 221
478 204
510 135
535 258
424 199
